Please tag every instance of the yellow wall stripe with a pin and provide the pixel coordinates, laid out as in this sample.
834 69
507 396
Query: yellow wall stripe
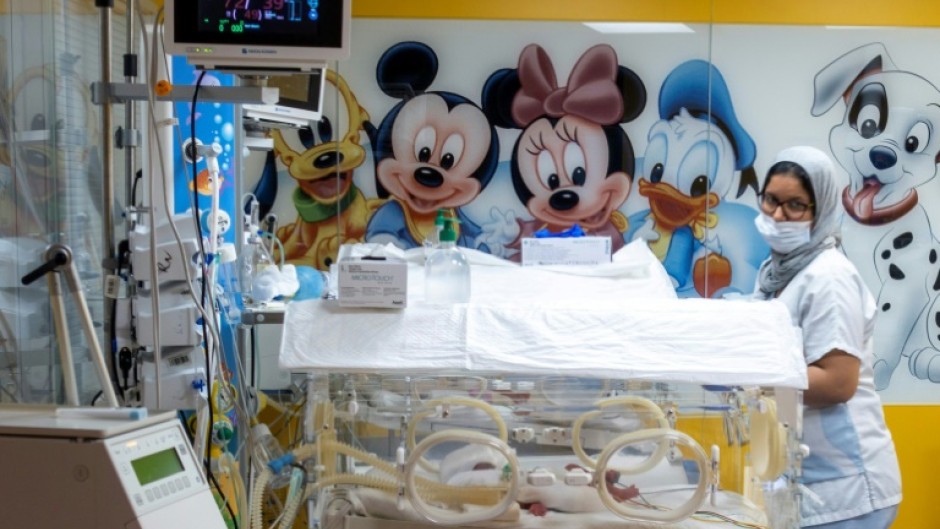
810 12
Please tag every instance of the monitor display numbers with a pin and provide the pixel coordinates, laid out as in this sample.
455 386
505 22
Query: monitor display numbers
261 16
267 35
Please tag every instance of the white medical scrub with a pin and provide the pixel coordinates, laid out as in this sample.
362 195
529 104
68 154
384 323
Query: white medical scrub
852 468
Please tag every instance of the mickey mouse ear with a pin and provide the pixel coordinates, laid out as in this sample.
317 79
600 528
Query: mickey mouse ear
406 69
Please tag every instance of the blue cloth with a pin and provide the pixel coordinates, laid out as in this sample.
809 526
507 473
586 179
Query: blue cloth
574 231
880 519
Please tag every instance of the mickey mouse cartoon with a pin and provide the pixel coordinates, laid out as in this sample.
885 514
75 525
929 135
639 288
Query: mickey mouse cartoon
433 150
573 163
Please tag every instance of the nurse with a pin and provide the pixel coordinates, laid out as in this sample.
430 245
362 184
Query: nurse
851 475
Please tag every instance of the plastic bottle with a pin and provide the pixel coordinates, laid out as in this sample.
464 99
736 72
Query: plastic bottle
266 449
438 227
230 297
433 239
447 271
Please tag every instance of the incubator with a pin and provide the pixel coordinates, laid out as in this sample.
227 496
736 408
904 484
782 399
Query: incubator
557 397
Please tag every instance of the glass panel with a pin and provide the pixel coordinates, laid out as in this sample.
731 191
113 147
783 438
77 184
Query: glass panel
51 190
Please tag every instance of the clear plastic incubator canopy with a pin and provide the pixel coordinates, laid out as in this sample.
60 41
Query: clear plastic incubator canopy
558 397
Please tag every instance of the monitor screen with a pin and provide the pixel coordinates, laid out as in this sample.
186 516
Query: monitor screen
157 466
242 33
300 100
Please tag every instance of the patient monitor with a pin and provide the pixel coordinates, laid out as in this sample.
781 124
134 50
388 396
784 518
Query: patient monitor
277 36
101 469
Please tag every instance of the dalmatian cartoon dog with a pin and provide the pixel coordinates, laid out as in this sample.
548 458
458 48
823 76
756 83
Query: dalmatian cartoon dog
889 144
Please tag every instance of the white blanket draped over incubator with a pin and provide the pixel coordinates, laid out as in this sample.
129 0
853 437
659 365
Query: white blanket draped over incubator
557 397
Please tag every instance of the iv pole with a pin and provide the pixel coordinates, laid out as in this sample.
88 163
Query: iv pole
59 261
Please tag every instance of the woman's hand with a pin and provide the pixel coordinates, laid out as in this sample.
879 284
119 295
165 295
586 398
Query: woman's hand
833 379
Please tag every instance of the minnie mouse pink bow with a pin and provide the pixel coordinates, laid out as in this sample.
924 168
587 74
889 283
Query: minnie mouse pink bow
592 91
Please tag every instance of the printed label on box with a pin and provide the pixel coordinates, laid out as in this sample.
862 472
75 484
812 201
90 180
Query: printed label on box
565 251
373 283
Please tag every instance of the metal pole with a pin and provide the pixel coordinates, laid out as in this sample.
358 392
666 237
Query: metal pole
130 138
107 156
62 338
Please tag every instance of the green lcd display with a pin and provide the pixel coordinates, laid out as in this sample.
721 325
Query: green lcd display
157 466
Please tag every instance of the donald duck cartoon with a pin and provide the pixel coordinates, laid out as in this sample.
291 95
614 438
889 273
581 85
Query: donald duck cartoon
695 152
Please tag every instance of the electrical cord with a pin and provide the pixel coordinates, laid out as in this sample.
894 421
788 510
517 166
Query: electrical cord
202 252
163 172
123 250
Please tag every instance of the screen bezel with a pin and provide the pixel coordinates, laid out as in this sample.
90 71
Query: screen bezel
292 109
162 456
211 50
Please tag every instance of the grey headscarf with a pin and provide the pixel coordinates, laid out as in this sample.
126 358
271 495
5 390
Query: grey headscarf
777 271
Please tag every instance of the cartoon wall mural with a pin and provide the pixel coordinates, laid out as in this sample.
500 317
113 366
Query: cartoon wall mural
698 160
572 164
564 137
433 150
212 122
330 209
888 141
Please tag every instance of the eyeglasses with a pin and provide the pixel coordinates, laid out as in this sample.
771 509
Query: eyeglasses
792 209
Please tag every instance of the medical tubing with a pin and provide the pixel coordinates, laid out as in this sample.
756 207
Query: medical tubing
257 498
295 497
645 514
278 243
437 492
503 431
662 448
439 516
474 495
228 465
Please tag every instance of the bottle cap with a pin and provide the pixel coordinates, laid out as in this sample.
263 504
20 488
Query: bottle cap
439 221
449 234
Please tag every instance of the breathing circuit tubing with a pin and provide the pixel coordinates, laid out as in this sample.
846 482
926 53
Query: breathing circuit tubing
659 435
500 497
444 403
645 405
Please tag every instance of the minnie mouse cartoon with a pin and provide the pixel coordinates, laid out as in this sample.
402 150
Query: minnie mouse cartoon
433 150
572 164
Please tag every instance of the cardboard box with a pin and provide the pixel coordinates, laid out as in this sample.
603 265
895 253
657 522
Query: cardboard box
565 250
373 282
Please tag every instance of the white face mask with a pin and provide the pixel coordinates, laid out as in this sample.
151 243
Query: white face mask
783 237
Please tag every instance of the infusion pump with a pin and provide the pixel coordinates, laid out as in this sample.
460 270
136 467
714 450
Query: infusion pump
98 472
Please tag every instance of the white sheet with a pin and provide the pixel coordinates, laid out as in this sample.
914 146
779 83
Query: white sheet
620 320
382 508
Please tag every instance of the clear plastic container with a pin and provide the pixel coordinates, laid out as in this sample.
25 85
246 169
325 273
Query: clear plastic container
447 271
265 449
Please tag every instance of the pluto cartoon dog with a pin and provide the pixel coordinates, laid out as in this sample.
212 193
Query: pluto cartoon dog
889 144
330 208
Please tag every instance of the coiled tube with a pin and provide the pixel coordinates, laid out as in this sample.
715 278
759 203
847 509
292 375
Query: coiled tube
662 436
434 491
447 517
502 430
644 405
